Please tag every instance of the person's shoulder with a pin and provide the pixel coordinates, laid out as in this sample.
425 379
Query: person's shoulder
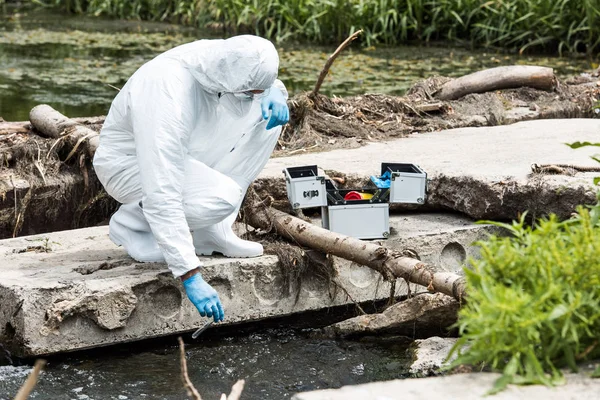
163 72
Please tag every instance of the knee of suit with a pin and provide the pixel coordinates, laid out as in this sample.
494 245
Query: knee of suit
120 179
211 208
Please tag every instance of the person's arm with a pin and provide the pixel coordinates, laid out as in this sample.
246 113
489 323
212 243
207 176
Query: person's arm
279 85
163 111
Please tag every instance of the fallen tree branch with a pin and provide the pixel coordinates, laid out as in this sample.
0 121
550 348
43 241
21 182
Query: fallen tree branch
31 381
390 264
427 314
236 391
7 128
568 169
11 127
187 383
330 61
53 124
499 78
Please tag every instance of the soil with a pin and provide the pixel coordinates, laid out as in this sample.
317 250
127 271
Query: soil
41 193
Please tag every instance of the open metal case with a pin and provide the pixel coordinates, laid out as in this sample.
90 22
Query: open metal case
305 188
408 183
365 218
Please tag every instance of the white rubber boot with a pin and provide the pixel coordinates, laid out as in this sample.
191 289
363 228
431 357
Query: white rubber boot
221 238
128 228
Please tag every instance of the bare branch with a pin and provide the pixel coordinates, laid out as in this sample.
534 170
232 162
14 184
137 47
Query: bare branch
236 390
330 61
189 386
29 384
390 264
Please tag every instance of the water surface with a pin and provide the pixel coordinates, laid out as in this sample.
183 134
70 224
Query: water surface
74 63
275 363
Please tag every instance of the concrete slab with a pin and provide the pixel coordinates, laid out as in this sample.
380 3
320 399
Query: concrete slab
471 386
481 172
73 290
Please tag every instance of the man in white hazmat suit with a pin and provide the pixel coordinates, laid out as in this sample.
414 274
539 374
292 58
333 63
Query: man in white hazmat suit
183 140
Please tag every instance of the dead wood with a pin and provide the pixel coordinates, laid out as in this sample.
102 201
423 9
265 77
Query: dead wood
53 124
499 78
187 383
48 184
562 169
236 389
390 264
31 381
330 61
422 315
8 128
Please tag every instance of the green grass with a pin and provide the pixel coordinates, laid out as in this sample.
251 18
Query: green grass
544 25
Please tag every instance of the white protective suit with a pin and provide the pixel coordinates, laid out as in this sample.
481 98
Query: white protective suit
179 141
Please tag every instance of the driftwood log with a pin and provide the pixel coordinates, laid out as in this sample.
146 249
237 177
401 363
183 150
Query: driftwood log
390 264
9 128
50 123
423 315
508 77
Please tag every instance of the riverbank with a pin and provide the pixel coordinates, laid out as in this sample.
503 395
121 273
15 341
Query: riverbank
80 298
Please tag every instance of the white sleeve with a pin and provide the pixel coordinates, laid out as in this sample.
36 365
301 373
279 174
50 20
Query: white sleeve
279 85
163 111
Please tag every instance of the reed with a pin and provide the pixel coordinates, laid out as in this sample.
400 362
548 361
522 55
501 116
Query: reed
544 25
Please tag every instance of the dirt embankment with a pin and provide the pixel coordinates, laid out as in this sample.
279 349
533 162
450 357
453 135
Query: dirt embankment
40 192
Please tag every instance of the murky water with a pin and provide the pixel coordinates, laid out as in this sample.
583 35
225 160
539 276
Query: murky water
275 364
75 63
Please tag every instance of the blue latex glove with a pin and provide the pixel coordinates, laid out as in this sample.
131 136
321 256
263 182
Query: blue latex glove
204 297
275 102
382 182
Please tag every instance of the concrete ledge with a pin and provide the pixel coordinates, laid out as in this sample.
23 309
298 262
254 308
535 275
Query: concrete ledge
73 290
484 173
471 386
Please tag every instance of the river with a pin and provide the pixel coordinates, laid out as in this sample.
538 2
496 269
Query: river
76 65
275 362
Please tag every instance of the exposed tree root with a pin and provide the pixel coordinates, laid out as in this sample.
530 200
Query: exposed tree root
391 265
61 176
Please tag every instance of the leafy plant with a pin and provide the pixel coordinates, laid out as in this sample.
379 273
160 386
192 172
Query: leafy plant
534 299
577 145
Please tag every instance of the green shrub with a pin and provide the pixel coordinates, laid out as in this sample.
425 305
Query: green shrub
534 300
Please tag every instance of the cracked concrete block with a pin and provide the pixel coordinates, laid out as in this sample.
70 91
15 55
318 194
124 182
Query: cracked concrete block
484 173
74 290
